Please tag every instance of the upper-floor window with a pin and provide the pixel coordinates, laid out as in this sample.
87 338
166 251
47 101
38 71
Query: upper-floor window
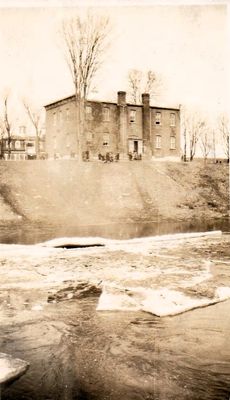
17 144
172 142
132 116
55 143
54 119
158 142
67 114
105 113
88 111
172 119
60 117
158 118
106 139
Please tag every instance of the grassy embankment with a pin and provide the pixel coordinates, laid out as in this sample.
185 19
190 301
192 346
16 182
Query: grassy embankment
94 193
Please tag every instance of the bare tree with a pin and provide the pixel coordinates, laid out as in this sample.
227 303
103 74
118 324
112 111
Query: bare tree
206 143
35 118
6 124
1 139
193 126
214 144
183 117
142 82
134 81
85 41
224 128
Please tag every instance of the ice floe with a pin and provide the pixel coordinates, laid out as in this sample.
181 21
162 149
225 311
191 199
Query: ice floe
160 302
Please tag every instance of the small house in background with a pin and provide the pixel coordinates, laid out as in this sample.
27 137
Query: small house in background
140 130
22 148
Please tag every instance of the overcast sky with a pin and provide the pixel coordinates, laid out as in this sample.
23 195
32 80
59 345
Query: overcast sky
185 44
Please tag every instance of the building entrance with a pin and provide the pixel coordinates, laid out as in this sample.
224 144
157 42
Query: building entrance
135 146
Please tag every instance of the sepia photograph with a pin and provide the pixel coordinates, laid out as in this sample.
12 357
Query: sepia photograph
114 200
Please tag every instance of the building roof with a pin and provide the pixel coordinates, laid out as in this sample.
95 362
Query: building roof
72 98
25 137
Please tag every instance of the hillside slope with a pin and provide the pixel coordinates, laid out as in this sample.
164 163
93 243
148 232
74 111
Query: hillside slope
94 193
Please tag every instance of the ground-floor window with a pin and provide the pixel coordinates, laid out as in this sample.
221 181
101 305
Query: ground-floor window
158 142
89 137
172 142
106 139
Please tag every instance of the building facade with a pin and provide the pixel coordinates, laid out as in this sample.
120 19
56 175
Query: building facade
21 148
146 131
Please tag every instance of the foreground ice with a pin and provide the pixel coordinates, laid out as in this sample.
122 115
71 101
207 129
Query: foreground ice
11 368
160 302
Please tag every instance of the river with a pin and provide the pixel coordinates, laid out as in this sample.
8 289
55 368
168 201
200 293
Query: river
31 233
77 353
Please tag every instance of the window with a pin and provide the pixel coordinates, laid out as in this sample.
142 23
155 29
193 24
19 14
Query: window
172 142
54 119
67 114
17 144
172 119
60 117
158 142
89 137
105 113
132 116
158 118
106 139
67 140
88 111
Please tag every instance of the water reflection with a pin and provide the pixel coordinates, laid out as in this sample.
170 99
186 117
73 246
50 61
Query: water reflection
30 233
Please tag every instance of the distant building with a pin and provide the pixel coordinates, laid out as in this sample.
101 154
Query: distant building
22 148
144 130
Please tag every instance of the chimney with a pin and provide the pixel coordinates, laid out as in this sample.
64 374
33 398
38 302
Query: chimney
145 99
121 98
146 125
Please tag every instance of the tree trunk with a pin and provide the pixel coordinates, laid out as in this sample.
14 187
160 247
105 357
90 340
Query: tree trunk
37 144
185 145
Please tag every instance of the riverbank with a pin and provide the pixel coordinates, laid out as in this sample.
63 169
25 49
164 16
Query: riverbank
76 352
96 193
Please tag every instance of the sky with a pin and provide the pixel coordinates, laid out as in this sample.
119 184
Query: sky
185 43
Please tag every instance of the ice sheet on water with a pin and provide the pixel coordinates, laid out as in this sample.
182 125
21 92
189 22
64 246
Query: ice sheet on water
135 244
161 302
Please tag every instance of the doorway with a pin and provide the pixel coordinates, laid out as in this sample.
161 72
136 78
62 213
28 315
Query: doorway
135 146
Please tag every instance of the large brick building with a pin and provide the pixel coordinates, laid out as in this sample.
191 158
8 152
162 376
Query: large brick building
114 128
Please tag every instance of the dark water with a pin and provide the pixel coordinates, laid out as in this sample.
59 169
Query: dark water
31 233
79 354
